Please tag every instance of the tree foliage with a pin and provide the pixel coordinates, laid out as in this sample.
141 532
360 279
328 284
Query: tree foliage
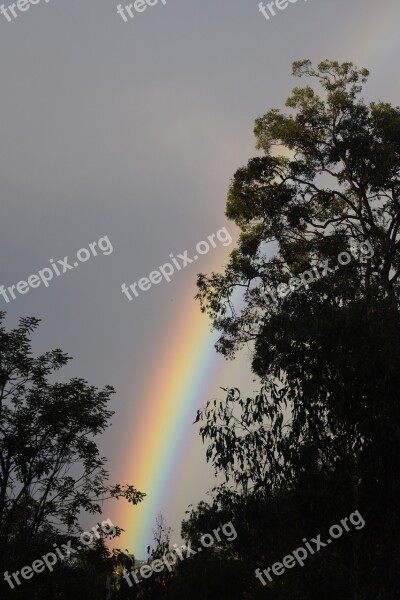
335 180
50 466
325 424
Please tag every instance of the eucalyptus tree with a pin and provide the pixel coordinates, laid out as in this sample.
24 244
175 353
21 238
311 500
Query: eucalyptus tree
327 351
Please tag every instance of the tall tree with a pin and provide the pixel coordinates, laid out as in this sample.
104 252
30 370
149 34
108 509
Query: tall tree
327 352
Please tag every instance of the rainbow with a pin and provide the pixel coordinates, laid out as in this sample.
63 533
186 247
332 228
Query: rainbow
186 368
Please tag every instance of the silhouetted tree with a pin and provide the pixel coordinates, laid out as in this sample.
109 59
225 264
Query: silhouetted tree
50 466
323 433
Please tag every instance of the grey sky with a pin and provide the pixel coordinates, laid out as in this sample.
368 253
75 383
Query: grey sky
133 130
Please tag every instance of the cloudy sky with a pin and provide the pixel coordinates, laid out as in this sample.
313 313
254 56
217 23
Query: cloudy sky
133 131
